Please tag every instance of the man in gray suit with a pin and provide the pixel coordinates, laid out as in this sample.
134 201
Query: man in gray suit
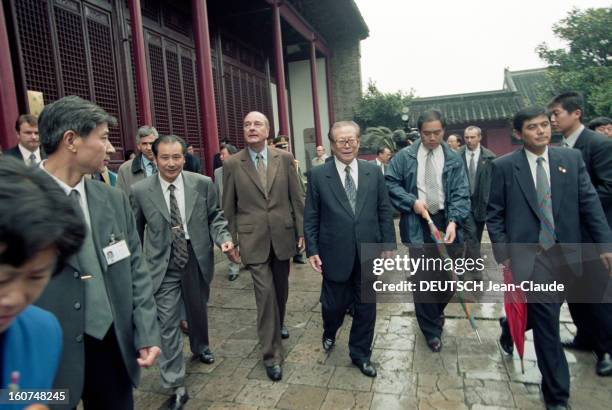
177 216
104 304
226 151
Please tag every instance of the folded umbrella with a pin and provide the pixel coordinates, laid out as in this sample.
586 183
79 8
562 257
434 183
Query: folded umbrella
515 305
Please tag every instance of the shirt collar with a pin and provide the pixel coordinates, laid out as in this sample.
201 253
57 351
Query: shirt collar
476 151
80 186
342 166
178 183
571 139
26 152
145 161
253 154
533 157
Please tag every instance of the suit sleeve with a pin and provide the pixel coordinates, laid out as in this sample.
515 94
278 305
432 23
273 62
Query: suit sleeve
401 199
602 171
496 219
229 200
138 216
296 196
385 213
121 182
312 217
146 328
217 224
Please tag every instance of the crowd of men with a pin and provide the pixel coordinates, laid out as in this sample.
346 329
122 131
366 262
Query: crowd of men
146 261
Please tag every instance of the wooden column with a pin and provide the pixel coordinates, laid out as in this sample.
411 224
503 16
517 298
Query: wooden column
8 95
279 64
140 65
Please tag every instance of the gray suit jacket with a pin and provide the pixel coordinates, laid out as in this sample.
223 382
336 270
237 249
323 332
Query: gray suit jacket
127 283
219 183
129 173
205 223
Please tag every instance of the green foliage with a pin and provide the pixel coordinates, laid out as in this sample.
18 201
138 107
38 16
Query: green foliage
586 65
381 109
374 137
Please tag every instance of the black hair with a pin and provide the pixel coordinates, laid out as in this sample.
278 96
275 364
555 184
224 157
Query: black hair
35 213
525 115
168 139
428 116
230 148
599 121
382 149
570 101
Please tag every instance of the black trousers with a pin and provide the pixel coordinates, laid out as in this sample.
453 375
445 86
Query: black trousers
429 306
336 297
472 230
107 384
543 312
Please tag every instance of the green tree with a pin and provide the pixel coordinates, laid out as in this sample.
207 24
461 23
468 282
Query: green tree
586 64
377 109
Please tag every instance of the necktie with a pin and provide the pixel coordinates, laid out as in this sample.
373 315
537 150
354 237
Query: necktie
472 173
98 313
349 187
432 188
564 144
547 223
32 160
180 254
261 170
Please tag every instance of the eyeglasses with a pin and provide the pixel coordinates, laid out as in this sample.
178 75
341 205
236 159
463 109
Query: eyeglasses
342 142
256 124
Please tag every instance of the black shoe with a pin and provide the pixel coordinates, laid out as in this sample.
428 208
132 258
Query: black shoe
556 407
328 344
505 340
207 357
232 277
350 310
178 399
275 372
576 344
299 259
604 365
366 368
284 332
434 344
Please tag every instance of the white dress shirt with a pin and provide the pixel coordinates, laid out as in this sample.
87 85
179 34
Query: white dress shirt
533 165
341 166
573 137
438 158
80 187
179 194
380 165
25 153
468 156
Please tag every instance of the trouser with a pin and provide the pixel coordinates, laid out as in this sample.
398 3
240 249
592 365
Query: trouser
336 297
473 230
271 285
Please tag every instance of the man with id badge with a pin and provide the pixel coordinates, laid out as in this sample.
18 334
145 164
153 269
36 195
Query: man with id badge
179 220
102 296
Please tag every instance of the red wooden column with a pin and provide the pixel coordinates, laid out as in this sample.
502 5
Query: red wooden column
315 92
140 64
330 92
283 116
8 95
206 90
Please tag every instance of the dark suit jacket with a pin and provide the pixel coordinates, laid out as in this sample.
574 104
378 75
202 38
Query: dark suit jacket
512 216
128 285
259 220
205 223
480 198
14 152
192 163
332 230
597 155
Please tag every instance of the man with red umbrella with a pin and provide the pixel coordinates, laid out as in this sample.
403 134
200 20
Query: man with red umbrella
531 235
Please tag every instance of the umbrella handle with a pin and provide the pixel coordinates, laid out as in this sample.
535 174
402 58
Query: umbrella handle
425 215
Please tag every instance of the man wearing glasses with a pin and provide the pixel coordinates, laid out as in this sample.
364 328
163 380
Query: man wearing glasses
264 206
428 177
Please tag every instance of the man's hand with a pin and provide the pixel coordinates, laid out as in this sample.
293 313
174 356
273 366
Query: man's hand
387 254
148 356
451 233
315 263
506 263
227 246
300 243
606 258
419 207
233 255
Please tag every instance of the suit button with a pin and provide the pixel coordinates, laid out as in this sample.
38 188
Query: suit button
77 305
79 338
76 275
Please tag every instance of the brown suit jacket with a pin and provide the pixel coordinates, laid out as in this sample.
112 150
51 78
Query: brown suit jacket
258 219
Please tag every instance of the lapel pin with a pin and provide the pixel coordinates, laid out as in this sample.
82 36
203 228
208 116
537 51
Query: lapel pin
563 170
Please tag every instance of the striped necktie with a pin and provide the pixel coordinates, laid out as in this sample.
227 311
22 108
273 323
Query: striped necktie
547 223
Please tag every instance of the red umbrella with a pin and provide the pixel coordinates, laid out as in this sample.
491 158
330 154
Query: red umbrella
438 236
515 305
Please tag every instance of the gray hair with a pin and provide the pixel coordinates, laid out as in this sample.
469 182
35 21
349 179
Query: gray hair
340 124
70 113
145 131
473 128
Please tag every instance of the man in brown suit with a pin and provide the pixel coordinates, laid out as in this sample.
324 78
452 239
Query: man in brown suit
264 206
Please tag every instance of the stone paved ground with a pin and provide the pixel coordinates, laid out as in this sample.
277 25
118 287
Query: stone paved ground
465 375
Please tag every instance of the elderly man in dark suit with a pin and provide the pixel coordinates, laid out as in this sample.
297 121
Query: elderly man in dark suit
542 196
346 205
104 303
179 220
477 162
264 205
593 320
